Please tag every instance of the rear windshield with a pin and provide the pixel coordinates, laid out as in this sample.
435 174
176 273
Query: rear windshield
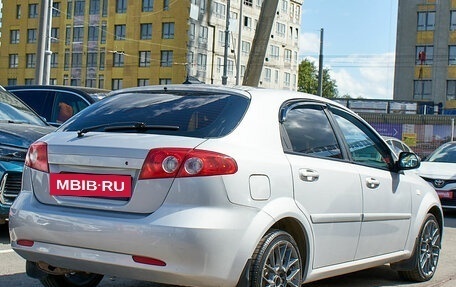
182 113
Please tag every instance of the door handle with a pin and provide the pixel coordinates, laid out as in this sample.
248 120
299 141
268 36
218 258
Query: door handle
308 175
372 182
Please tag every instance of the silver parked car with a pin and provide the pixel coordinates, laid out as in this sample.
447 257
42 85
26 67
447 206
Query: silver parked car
199 185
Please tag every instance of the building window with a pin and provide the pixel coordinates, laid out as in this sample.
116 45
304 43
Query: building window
102 59
219 65
230 67
91 83
166 58
30 61
288 55
274 52
69 9
451 90
426 21
247 22
75 82
168 30
54 60
93 33
92 58
422 90
424 55
56 9
12 82
101 82
55 35
117 84
281 29
245 47
219 10
147 5
144 58
66 60
146 31
221 38
14 37
29 81
287 79
267 75
284 6
94 7
103 33
78 34
104 8
31 35
18 11
143 82
79 8
191 31
119 58
276 76
33 11
121 6
201 61
164 81
248 3
119 32
13 60
76 60
165 5
53 81
67 35
203 34
452 55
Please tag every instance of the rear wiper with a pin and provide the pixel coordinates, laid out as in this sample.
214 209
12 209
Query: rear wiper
127 126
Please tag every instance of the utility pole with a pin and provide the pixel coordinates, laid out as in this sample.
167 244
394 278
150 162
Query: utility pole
227 38
320 66
260 43
43 61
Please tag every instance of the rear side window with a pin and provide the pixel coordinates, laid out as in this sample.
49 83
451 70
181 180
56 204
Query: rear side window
309 132
184 114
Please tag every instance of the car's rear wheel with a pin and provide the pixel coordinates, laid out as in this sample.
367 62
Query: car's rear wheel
427 252
75 279
276 261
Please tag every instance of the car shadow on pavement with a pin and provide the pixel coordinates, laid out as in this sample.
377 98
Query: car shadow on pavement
450 218
18 280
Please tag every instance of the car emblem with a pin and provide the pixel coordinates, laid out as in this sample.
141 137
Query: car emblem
439 183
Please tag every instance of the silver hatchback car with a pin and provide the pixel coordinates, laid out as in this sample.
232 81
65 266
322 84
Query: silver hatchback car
199 185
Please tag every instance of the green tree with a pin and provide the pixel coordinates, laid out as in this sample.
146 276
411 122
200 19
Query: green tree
308 80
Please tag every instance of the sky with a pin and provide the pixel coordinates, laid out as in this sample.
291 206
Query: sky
359 40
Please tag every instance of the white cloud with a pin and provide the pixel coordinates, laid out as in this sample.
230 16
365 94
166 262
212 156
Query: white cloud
366 76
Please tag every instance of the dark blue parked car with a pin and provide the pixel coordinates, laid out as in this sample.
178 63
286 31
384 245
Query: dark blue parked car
19 127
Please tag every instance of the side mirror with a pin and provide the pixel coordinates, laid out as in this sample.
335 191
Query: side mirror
407 160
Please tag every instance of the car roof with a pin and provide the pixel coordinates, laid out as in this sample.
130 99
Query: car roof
88 90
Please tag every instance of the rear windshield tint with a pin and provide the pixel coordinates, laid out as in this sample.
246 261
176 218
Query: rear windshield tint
184 114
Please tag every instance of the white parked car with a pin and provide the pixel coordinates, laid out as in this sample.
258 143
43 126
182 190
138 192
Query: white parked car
200 185
439 170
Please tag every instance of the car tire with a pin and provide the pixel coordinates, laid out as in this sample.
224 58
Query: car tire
276 261
427 252
77 279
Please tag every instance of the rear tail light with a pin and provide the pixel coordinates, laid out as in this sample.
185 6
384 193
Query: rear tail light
25 242
37 156
183 162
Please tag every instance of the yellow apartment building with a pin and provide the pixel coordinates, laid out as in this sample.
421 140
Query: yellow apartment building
115 44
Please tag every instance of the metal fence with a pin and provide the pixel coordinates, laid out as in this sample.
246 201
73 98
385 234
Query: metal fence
423 133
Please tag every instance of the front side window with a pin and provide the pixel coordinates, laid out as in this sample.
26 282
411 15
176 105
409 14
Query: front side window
426 21
364 146
309 132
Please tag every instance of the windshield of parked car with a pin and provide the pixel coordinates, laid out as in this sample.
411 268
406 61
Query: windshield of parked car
175 113
444 153
13 110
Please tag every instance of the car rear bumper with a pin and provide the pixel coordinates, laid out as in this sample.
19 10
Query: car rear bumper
201 246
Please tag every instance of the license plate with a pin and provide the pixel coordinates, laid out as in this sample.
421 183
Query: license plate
94 185
445 194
